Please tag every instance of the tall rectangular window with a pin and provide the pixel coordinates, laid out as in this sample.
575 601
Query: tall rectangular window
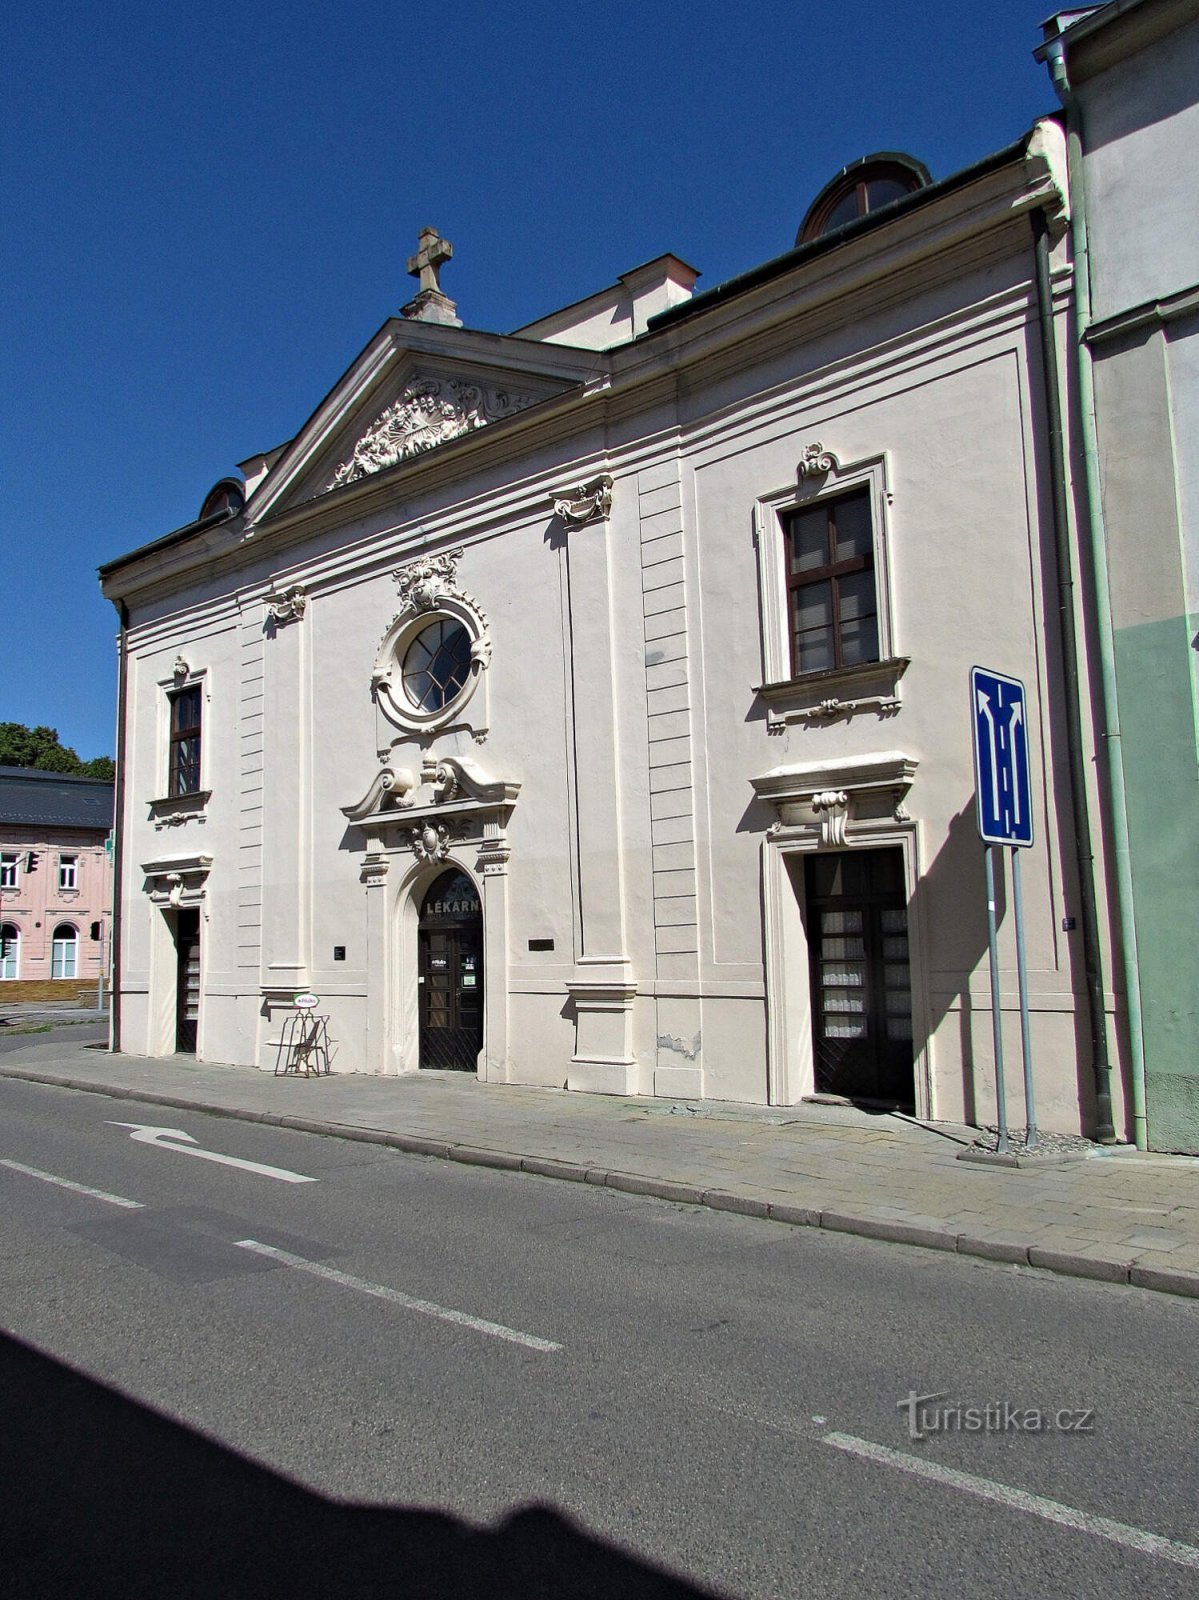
832 602
68 872
8 871
184 777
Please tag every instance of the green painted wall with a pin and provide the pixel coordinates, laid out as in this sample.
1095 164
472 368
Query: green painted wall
1154 667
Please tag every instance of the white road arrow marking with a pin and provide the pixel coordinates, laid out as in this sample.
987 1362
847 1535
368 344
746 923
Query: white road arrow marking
984 705
183 1143
1015 718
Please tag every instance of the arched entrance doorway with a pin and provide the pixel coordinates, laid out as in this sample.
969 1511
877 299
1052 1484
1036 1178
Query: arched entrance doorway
451 974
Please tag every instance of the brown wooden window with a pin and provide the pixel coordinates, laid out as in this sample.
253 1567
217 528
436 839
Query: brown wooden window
833 607
185 741
863 186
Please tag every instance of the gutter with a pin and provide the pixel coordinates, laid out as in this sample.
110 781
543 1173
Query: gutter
779 265
1091 507
179 536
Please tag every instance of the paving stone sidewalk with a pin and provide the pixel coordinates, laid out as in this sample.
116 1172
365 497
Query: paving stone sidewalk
1119 1216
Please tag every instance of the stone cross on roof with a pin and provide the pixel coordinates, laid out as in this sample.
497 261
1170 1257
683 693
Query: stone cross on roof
430 304
426 263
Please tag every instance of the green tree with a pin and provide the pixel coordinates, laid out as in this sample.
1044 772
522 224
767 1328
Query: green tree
40 748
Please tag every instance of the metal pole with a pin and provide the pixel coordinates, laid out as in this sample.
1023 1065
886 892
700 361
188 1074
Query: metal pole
996 1021
1030 1110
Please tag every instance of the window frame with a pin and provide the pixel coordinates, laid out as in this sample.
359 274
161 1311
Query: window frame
57 944
894 166
179 737
15 943
10 869
68 873
831 481
832 572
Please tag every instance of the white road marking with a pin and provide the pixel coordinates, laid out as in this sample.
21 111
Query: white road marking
1035 1505
395 1297
183 1143
76 1188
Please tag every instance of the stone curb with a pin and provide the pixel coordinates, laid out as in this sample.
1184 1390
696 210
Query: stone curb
1162 1280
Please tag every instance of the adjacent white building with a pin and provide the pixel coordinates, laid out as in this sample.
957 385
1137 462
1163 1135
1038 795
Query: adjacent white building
588 706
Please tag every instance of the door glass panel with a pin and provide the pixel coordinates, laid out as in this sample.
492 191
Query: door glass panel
842 949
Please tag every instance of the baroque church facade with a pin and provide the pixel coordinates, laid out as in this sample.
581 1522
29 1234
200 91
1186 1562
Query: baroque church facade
587 706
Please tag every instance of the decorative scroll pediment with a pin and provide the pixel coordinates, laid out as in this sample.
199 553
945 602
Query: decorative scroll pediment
826 796
177 880
447 784
429 412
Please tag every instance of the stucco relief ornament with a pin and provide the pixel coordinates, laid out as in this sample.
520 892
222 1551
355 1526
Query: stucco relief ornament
585 501
816 461
430 843
429 412
286 605
423 583
832 810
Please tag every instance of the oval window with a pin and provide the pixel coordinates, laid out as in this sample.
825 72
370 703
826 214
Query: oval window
437 665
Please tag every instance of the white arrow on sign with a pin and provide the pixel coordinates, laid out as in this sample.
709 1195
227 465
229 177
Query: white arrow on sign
1015 717
984 705
185 1145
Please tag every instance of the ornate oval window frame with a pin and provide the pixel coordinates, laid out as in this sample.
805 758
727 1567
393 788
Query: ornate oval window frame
430 592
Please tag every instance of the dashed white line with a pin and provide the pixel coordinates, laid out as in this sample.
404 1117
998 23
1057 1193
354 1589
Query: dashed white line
1035 1505
426 1308
68 1183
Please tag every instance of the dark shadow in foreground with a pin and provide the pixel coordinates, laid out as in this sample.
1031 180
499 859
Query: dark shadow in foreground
103 1497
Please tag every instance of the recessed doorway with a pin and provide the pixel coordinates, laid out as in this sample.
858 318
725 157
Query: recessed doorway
187 980
860 975
451 974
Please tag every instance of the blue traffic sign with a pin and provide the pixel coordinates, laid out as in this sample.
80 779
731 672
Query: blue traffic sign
1001 771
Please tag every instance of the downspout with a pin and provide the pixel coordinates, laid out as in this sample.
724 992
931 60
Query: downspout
1089 916
118 824
1091 500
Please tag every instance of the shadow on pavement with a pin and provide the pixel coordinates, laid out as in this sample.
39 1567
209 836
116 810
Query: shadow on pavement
104 1497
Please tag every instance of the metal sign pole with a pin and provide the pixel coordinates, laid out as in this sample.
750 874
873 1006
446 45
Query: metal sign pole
1030 1114
996 1018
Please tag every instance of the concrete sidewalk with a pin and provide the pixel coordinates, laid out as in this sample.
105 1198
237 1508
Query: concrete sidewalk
1119 1216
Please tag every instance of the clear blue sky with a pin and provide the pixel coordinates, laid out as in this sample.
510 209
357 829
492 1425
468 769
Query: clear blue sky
207 212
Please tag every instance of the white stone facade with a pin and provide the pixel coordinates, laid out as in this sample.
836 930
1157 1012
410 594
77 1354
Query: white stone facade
632 777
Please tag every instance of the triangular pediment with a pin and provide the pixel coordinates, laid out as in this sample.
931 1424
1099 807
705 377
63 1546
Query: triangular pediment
416 387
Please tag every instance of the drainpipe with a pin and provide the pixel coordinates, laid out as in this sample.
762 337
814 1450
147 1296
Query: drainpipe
1089 917
118 826
1091 506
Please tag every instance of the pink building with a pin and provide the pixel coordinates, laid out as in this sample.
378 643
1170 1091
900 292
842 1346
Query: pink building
55 882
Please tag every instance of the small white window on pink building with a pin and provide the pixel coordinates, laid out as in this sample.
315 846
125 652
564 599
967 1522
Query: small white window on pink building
8 871
68 874
64 951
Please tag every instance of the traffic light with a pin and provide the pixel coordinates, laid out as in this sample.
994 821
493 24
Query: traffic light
95 930
31 859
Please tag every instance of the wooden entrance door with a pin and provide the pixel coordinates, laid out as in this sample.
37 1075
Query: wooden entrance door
187 982
451 975
860 976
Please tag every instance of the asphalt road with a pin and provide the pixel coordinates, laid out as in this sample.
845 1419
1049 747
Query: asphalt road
411 1377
